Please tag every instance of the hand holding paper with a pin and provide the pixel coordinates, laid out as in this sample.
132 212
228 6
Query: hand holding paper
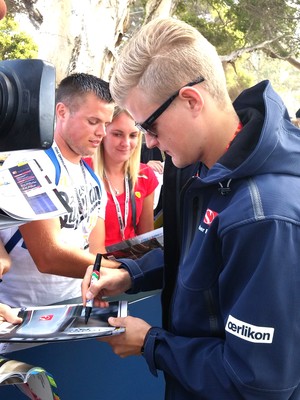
131 341
8 314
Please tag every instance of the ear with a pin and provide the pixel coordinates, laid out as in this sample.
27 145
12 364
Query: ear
3 9
194 98
61 110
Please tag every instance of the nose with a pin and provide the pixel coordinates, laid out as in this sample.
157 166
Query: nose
126 142
151 141
100 131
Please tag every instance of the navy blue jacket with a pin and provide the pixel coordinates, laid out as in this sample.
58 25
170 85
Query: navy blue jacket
234 316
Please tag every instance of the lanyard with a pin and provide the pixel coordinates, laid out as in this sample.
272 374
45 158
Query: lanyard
79 200
122 221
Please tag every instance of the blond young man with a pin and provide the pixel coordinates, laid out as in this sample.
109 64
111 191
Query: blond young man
230 308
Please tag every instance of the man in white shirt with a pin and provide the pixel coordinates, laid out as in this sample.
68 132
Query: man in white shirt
51 253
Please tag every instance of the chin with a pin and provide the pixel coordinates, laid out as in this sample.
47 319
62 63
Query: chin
90 152
179 163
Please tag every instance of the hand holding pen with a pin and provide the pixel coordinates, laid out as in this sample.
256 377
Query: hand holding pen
95 277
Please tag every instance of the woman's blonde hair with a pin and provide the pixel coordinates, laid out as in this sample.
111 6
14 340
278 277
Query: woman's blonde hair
132 165
164 55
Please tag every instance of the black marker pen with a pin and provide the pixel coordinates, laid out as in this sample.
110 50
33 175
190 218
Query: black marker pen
95 277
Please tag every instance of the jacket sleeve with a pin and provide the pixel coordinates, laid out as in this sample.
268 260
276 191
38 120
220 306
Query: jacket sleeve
146 272
258 294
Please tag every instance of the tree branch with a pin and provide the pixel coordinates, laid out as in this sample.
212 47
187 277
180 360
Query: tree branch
232 57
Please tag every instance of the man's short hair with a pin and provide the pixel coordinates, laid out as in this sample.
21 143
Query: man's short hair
77 85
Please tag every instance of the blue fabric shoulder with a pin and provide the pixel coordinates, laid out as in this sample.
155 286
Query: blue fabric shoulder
50 153
91 172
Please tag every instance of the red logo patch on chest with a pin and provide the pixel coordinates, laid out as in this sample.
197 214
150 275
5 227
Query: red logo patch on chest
209 216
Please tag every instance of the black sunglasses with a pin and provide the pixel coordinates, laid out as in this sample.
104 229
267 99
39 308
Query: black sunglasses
145 127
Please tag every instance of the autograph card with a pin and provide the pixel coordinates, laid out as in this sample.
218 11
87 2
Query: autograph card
63 322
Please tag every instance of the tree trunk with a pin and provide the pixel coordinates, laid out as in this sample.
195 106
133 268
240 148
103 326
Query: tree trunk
159 8
81 35
75 36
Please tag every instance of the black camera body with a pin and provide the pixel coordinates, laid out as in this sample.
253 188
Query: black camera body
27 104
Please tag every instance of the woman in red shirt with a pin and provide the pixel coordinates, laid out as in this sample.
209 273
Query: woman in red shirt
129 184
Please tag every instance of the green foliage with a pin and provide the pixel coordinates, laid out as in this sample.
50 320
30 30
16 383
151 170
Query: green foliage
255 67
15 44
239 76
210 18
234 24
274 20
283 76
230 25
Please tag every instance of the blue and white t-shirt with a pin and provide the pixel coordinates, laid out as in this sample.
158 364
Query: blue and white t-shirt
23 285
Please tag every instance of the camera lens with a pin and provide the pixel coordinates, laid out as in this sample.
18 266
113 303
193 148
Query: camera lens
27 104
8 103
